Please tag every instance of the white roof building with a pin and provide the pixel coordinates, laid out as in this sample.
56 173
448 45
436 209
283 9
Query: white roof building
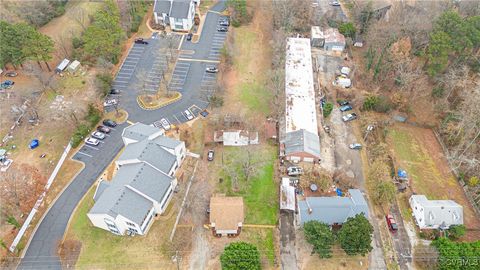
434 214
300 111
287 195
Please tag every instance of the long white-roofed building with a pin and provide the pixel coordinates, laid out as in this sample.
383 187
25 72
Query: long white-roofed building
301 141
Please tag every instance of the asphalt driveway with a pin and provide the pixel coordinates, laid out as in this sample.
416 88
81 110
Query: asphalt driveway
139 72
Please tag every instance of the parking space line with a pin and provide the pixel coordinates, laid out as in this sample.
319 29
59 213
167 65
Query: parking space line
91 147
120 81
177 118
80 152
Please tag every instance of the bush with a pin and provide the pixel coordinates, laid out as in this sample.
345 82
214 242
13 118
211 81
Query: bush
456 231
240 256
104 83
378 104
347 29
79 134
77 42
216 101
94 115
327 109
473 181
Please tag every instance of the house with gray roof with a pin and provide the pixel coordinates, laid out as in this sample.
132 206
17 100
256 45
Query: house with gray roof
435 214
178 14
332 210
139 132
143 183
300 145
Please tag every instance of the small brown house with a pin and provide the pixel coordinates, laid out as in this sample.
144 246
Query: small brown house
226 215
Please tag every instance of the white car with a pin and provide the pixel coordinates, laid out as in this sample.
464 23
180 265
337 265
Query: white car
294 171
165 124
110 102
211 70
98 135
188 114
92 141
355 146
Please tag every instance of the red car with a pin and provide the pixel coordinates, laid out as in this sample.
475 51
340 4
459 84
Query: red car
392 224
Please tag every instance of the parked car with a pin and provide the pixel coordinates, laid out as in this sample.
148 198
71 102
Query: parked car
224 21
349 117
294 171
188 114
211 155
165 124
11 74
109 123
343 102
346 108
98 135
140 41
392 224
6 84
222 29
103 129
110 102
335 3
355 146
114 91
92 141
212 69
189 36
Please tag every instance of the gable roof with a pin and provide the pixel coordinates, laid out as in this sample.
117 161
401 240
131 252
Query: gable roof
144 178
151 152
120 200
162 6
102 185
226 212
139 131
333 210
180 8
302 141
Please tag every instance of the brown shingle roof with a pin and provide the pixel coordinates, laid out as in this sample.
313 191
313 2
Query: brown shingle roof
226 212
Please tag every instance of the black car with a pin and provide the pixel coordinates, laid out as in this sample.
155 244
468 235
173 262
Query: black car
343 102
114 91
210 155
109 123
189 36
140 41
222 29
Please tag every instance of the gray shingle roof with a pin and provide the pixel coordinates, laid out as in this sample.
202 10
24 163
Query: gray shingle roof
162 6
145 179
302 141
180 9
333 210
102 185
167 142
132 206
151 152
139 131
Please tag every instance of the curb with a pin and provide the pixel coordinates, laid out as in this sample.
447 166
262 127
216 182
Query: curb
148 108
52 204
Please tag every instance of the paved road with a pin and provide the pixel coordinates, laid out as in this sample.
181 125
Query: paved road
288 255
142 67
322 9
401 241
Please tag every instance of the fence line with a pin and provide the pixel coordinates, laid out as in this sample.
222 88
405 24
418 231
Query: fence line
34 210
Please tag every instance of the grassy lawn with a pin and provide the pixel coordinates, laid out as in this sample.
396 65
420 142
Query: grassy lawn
425 177
104 250
249 58
260 193
263 240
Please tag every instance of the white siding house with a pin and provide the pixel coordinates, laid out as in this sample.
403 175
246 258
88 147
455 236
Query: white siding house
435 214
178 14
143 184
